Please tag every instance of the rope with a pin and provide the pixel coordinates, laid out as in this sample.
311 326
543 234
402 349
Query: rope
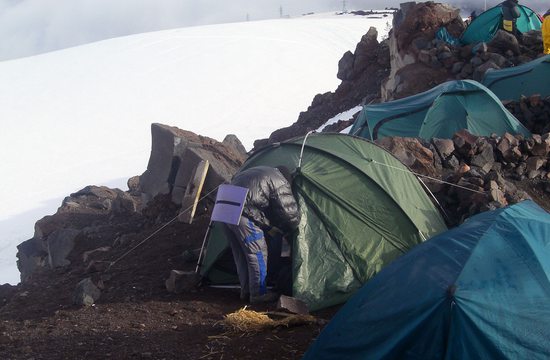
303 146
425 176
157 231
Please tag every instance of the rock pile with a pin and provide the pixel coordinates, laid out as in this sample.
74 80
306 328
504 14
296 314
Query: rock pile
414 28
471 62
533 112
475 173
420 54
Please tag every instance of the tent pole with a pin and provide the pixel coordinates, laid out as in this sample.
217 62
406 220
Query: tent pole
202 247
434 198
303 145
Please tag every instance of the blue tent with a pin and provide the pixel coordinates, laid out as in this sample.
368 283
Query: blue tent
526 79
479 291
439 112
485 26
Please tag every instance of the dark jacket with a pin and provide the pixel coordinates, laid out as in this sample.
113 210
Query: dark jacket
510 10
270 201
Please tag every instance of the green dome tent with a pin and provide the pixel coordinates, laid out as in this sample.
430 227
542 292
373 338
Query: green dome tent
485 26
525 79
361 208
439 113
478 291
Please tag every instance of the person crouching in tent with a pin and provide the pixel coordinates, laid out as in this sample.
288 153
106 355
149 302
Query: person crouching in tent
270 208
546 33
510 13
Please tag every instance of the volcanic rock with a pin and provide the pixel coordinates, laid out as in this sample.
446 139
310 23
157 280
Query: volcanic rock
174 155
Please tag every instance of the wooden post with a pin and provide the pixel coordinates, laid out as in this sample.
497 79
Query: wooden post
193 192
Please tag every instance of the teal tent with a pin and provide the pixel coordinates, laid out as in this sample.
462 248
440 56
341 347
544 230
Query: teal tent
526 79
439 113
479 291
485 26
360 209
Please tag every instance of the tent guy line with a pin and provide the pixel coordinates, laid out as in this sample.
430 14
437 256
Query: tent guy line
111 263
425 176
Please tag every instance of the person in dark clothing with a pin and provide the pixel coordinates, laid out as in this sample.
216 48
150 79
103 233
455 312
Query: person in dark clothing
510 13
270 207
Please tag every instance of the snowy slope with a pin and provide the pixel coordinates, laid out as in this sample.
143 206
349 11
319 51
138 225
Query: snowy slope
82 115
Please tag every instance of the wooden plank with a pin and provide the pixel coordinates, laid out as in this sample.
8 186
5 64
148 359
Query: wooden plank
193 192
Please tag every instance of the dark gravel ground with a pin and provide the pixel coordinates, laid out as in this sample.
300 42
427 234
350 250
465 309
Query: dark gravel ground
136 317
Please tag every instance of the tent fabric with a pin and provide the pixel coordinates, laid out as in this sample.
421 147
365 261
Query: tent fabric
484 27
526 79
444 35
439 112
360 209
479 291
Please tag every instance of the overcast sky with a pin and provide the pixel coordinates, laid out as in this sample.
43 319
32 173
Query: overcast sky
30 27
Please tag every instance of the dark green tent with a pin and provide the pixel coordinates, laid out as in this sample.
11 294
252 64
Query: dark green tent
439 112
526 79
361 208
485 26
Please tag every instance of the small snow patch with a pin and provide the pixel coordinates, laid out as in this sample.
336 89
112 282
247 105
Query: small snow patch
346 115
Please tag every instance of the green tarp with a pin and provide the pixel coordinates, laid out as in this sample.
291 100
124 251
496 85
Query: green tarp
361 208
439 113
526 79
485 26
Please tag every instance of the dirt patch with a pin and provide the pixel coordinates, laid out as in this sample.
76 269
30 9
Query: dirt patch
536 188
136 317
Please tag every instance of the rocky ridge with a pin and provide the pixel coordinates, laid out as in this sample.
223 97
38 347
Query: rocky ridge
389 69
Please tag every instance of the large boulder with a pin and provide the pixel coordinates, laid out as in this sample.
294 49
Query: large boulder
168 146
50 251
220 170
86 293
352 64
412 153
91 200
31 256
182 281
60 244
411 48
504 41
405 80
174 155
